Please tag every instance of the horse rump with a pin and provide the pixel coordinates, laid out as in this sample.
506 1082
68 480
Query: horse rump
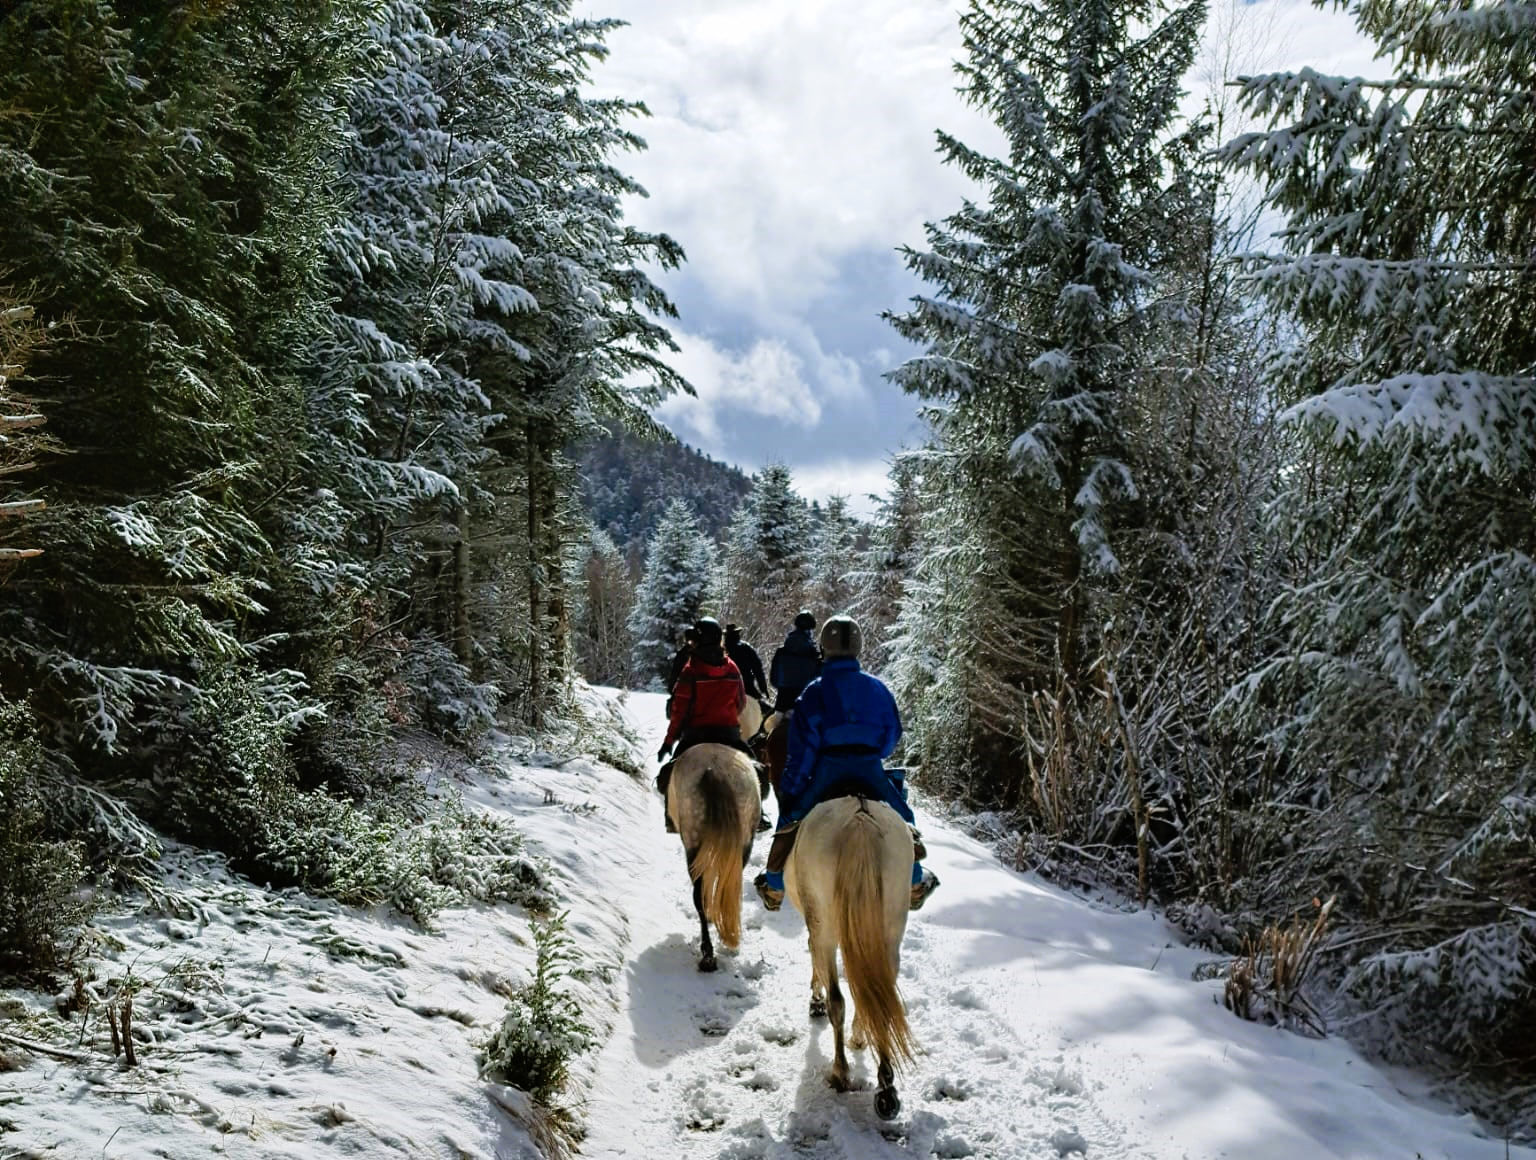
870 931
718 822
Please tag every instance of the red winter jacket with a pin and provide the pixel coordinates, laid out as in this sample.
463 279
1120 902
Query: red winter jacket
706 696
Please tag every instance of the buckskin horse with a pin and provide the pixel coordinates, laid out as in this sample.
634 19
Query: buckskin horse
850 876
712 799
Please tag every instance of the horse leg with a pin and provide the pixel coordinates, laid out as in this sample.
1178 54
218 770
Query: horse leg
818 980
836 1008
824 975
887 1102
706 947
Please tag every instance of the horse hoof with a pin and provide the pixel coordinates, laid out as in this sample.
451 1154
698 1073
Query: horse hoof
838 1083
887 1103
818 1007
708 964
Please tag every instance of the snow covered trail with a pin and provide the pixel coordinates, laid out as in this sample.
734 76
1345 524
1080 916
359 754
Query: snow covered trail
271 1024
1047 1026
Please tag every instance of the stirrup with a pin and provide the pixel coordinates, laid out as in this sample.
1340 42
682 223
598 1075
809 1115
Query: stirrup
772 899
921 890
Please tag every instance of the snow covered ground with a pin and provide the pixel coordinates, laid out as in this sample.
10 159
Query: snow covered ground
284 1026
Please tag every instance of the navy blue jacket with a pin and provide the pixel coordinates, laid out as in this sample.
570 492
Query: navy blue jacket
858 712
795 665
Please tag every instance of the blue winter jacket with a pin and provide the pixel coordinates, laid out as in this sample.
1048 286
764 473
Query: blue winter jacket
856 713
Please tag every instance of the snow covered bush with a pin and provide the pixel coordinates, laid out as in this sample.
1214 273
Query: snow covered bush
41 899
1268 981
446 697
544 1028
224 776
481 856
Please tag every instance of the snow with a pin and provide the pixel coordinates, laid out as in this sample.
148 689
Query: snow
276 1025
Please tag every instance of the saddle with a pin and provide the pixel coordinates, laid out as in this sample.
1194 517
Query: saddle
860 787
855 771
715 735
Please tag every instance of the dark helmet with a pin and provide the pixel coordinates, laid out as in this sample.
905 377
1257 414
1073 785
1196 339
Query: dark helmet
690 636
841 637
732 634
805 621
708 630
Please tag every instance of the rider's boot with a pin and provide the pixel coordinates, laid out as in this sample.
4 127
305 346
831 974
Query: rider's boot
772 896
924 883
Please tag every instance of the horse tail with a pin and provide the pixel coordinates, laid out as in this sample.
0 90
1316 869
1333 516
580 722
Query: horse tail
869 961
718 862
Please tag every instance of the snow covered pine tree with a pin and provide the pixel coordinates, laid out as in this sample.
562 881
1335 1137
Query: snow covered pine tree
1033 340
1406 690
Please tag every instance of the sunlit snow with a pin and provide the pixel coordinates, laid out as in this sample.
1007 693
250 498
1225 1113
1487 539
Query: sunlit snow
274 1025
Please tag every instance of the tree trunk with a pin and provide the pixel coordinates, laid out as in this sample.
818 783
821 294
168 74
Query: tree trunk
462 642
535 587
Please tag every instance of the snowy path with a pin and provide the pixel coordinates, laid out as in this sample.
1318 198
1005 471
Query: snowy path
271 1024
1048 1028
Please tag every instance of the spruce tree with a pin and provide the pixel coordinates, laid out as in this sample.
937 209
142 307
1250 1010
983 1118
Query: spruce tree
767 556
882 570
1036 332
834 545
607 601
1402 694
673 593
155 166
587 352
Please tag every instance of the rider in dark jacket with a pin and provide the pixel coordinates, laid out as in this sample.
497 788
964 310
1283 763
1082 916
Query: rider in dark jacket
753 680
796 663
679 660
844 727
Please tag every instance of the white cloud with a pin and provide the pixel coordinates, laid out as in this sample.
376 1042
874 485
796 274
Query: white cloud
769 379
857 479
787 133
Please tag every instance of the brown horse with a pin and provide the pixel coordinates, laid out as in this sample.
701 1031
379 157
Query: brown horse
712 799
850 876
776 747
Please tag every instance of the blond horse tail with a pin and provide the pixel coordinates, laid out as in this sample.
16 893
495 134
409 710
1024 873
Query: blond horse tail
719 859
879 1015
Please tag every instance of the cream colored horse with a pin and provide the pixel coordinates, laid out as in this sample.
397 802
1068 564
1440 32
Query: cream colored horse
850 875
751 719
712 799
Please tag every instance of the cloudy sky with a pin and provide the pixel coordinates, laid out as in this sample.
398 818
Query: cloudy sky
791 154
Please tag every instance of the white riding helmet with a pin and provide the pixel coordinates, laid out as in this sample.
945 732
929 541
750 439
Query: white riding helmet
841 637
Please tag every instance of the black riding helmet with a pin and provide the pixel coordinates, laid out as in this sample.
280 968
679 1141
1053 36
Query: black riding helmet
805 621
709 632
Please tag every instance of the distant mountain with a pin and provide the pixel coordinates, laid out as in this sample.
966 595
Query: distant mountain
627 481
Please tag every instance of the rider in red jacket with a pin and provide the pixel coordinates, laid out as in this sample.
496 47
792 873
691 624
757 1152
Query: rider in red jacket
706 705
707 698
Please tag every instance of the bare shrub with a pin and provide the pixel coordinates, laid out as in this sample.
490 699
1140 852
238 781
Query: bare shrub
1266 981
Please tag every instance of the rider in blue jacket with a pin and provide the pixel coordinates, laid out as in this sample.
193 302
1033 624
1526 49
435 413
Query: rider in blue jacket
844 727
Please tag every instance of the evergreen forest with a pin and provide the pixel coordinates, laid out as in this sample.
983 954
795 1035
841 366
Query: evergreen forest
328 370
